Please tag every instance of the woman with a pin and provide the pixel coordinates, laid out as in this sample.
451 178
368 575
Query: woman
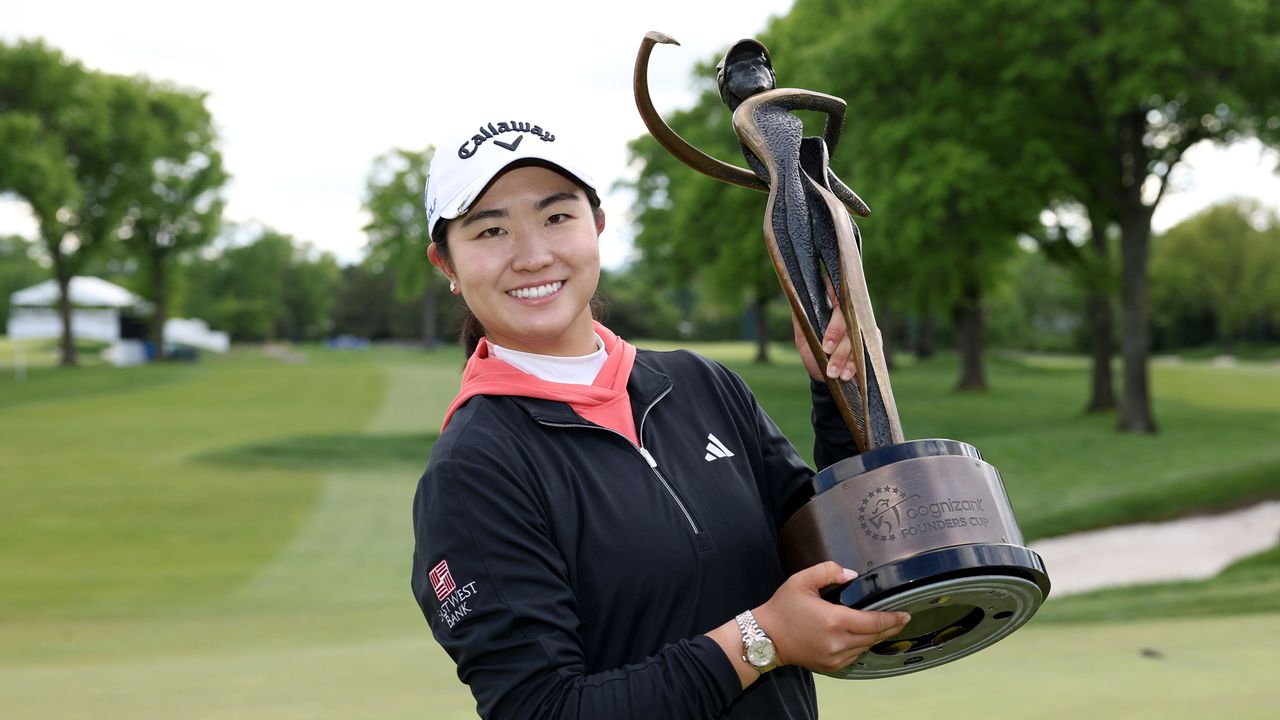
596 532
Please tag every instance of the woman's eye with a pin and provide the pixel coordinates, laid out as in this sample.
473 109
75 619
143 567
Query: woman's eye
557 218
490 232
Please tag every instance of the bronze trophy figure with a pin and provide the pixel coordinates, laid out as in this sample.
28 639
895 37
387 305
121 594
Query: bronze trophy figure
927 523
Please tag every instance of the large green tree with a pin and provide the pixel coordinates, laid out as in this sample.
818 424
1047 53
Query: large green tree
692 228
1222 265
265 286
50 112
79 147
181 210
926 144
1126 87
397 231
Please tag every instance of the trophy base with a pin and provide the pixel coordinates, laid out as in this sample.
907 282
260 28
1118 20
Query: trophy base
929 528
961 600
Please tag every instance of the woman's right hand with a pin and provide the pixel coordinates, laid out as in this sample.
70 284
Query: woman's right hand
819 635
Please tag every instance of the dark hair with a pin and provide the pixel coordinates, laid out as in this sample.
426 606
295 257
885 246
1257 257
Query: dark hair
472 330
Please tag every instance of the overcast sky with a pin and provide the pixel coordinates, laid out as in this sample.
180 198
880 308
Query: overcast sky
306 95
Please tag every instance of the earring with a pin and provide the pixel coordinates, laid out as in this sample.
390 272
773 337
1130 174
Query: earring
453 288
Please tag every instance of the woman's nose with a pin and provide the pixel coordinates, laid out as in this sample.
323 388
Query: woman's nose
532 252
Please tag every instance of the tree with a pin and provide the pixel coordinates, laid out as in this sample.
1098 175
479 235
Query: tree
1079 239
267 288
367 306
76 146
310 286
48 114
928 144
182 209
1223 264
690 227
1038 307
18 270
1122 107
397 230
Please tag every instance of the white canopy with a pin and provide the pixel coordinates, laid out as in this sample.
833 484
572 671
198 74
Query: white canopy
95 315
83 292
195 333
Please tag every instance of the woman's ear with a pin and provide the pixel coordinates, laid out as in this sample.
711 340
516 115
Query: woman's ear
599 220
433 254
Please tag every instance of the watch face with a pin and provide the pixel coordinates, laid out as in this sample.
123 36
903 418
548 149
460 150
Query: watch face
760 653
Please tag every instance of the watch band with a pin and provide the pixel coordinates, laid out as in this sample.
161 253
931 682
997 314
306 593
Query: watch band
747 626
755 639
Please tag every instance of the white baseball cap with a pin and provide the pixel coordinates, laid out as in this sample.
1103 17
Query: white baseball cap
465 164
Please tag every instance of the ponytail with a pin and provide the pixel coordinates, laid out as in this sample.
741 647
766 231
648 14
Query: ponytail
472 331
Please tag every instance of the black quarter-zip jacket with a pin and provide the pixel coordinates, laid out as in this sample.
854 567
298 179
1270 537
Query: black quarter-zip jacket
571 574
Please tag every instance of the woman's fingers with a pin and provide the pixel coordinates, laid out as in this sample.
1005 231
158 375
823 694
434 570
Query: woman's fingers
802 345
836 342
839 348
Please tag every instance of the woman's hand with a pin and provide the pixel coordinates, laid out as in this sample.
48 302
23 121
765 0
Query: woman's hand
835 343
819 635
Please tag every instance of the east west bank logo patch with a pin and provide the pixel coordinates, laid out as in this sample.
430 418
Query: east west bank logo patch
453 598
442 581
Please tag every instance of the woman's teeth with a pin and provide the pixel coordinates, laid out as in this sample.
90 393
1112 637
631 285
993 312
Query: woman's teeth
540 291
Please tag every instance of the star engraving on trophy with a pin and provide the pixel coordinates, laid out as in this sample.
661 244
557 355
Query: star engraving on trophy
878 513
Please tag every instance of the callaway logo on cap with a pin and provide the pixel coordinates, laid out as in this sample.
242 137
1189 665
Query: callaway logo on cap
467 162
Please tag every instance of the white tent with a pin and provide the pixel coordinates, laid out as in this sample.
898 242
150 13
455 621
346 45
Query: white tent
95 315
83 291
95 310
195 333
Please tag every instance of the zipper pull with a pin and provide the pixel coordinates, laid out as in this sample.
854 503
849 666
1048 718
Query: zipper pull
652 463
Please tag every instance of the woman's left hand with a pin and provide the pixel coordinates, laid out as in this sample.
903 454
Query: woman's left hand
835 343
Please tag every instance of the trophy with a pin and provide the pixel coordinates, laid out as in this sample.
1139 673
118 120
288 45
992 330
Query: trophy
926 523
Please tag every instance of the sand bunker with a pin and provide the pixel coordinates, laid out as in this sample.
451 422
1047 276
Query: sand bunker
1189 549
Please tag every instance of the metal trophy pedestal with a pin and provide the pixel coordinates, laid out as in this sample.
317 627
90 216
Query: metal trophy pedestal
929 528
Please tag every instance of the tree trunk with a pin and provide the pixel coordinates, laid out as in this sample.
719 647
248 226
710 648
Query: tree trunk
1102 396
1098 286
429 331
969 324
926 339
63 275
159 296
1135 406
762 329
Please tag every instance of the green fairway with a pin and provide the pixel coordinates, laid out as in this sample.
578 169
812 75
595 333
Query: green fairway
230 539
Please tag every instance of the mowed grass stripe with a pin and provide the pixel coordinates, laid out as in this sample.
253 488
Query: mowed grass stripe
356 544
104 514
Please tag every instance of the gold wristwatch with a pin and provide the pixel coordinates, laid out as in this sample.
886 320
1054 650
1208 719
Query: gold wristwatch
757 648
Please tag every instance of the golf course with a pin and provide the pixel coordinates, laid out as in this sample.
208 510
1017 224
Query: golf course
230 538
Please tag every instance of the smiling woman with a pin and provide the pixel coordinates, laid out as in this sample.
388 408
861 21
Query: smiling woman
526 260
597 529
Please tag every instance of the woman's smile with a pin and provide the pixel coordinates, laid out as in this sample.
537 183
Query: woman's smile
537 292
